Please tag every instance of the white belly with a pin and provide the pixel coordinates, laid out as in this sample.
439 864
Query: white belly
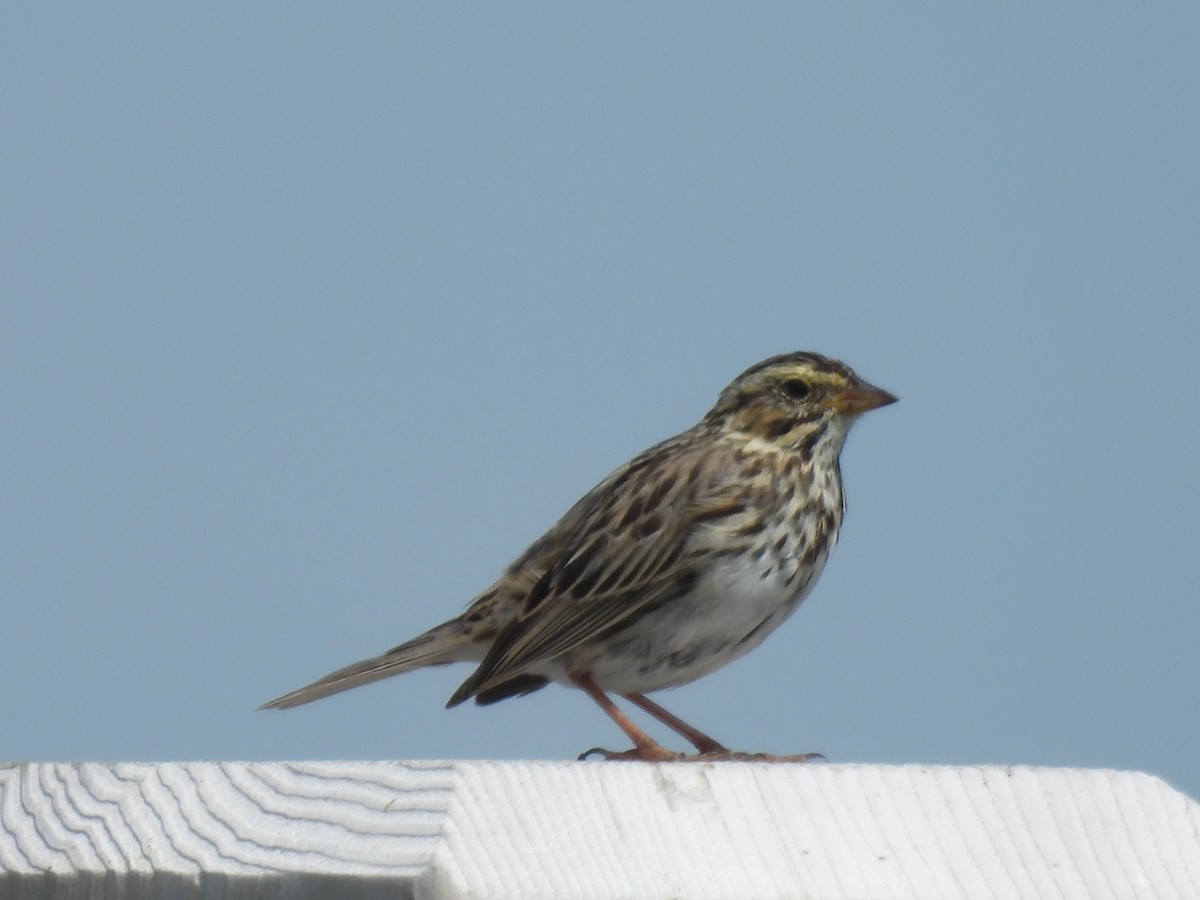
729 612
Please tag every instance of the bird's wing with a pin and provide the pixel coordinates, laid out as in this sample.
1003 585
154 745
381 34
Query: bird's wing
627 546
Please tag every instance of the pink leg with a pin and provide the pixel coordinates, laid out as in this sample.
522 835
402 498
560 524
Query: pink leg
646 748
698 739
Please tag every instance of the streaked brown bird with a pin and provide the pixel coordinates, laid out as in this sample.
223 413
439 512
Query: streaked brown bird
677 563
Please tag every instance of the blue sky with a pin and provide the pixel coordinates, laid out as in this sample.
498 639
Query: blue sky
313 318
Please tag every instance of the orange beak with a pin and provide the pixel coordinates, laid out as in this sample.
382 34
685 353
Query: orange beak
861 397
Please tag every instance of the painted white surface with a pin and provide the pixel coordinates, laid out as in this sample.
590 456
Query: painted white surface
596 830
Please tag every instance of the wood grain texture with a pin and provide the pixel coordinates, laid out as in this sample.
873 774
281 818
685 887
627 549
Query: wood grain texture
562 830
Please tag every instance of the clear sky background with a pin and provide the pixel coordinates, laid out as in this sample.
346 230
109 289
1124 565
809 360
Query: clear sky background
314 316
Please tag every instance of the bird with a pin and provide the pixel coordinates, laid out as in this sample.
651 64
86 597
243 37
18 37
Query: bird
679 562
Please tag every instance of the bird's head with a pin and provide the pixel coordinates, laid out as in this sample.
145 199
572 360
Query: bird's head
794 399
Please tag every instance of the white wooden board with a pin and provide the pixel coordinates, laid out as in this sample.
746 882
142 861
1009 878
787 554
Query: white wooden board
590 830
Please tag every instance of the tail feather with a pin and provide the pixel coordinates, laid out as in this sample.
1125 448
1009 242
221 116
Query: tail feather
444 644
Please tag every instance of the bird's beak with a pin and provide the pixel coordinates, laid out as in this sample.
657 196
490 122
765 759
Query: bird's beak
861 397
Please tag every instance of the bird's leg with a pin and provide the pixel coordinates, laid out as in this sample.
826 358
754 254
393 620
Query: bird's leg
645 747
698 739
649 750
710 750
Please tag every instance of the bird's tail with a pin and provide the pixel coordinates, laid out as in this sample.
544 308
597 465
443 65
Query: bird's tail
446 643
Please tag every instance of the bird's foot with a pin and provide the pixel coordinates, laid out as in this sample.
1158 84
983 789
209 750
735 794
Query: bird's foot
661 754
735 756
652 753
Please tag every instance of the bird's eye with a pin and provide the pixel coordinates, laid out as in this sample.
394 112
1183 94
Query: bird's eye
796 389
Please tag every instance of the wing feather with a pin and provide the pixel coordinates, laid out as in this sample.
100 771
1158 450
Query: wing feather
623 548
